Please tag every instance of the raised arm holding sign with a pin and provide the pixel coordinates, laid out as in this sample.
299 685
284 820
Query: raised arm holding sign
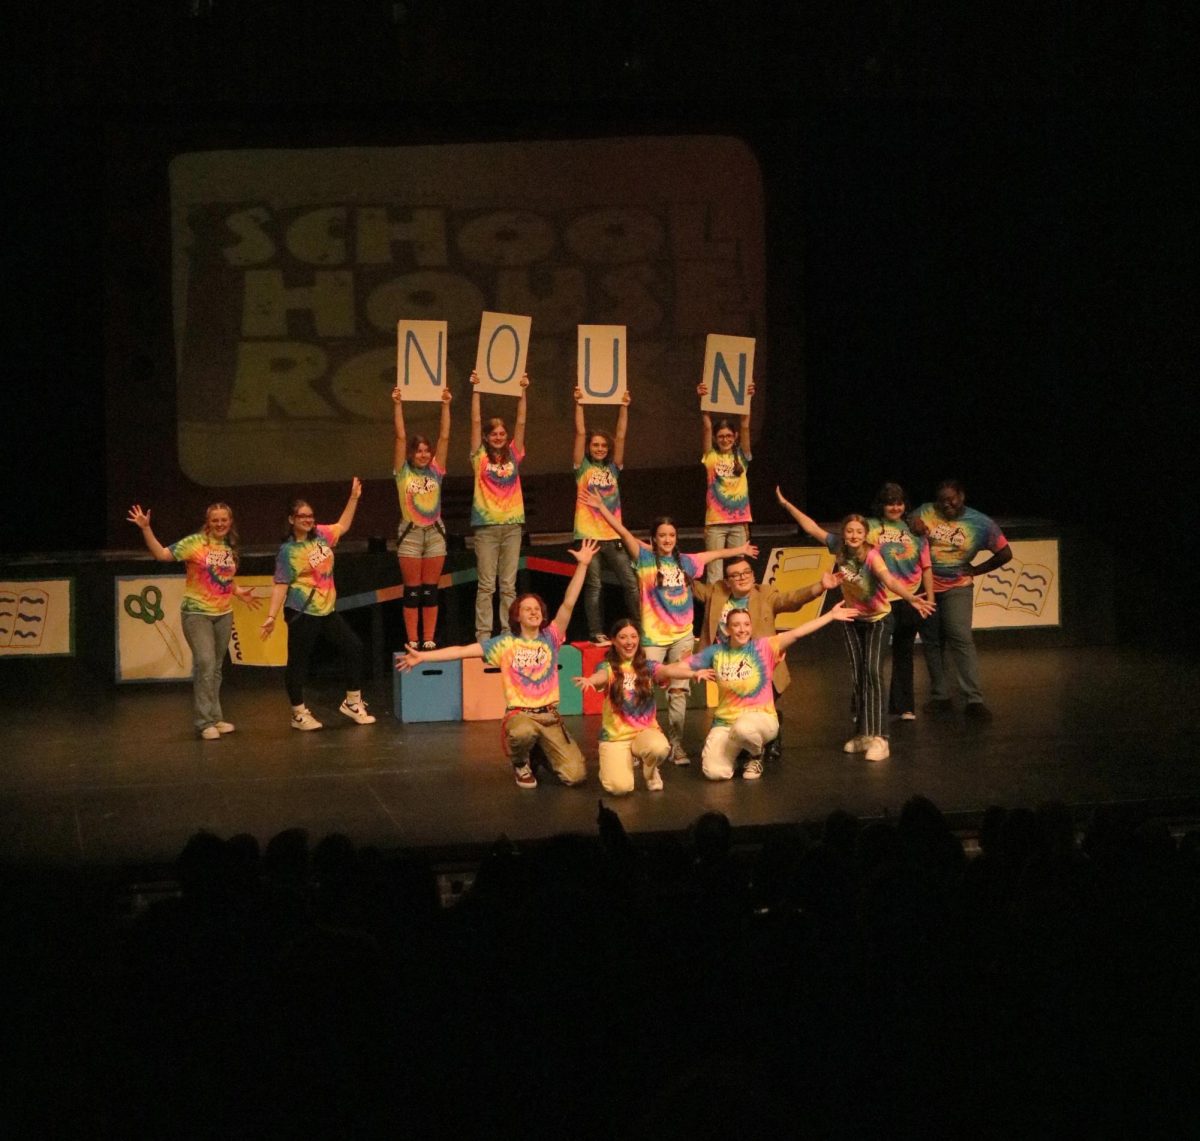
421 359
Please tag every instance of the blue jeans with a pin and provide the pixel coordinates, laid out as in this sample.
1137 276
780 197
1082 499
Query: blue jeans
208 637
720 537
948 640
497 556
612 554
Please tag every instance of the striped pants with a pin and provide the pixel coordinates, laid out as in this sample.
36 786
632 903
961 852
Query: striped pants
866 643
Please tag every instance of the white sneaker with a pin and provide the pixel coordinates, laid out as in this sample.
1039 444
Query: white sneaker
223 727
357 712
654 781
679 757
909 716
303 719
856 745
753 769
524 776
210 733
878 749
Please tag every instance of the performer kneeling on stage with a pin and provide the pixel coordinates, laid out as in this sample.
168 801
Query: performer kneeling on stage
745 717
527 654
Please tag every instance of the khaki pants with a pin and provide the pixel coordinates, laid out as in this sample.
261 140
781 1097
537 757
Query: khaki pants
524 730
616 759
751 731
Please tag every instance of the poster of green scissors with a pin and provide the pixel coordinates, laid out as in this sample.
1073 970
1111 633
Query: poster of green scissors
149 637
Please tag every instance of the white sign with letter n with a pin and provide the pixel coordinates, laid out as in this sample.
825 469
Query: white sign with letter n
601 373
421 359
503 350
728 371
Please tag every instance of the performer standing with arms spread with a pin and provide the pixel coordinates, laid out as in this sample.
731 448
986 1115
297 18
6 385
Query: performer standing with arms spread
597 460
206 613
421 541
665 577
957 533
498 507
305 591
527 654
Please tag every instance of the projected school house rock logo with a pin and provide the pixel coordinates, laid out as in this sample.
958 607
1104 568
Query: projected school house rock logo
291 269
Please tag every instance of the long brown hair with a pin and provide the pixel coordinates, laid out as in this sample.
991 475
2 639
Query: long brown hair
840 555
644 685
736 450
414 442
494 455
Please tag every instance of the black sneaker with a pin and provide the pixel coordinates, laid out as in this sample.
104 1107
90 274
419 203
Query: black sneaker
977 711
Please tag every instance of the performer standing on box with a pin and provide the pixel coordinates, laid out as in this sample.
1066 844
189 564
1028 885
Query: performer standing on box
865 582
726 456
907 557
957 533
598 459
206 613
498 508
421 542
629 732
665 577
738 591
527 654
745 719
305 591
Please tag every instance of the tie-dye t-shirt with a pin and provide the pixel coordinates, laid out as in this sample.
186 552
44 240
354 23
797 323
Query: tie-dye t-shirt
600 479
666 609
626 721
727 499
498 498
954 543
528 667
307 567
211 565
743 676
420 491
863 588
905 554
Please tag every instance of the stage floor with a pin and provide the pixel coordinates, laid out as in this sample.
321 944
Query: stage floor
93 774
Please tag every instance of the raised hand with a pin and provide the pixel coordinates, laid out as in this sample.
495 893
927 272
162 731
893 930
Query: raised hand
587 551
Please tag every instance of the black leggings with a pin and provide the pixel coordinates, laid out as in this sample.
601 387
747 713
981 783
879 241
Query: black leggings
303 632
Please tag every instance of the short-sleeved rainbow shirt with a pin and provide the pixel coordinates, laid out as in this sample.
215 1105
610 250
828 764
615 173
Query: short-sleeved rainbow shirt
211 566
420 492
667 611
743 677
906 555
954 543
602 479
307 567
863 587
626 721
727 499
528 667
498 499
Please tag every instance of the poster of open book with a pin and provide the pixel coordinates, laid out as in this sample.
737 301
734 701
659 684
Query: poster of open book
1022 593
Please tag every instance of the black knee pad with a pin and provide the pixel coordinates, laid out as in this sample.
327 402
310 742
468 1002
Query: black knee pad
412 597
429 593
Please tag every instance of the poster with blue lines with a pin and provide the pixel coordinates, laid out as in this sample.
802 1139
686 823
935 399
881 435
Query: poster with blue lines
37 619
1024 592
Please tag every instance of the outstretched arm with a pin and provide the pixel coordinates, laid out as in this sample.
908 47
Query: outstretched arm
839 613
798 599
919 604
1002 556
706 557
633 545
744 432
278 594
400 449
476 420
522 411
580 431
595 681
705 422
414 658
807 524
442 450
142 520
618 456
351 506
583 556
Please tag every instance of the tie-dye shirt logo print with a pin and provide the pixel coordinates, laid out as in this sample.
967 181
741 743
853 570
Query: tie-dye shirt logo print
863 587
905 554
666 609
211 567
498 498
528 667
728 497
307 567
602 480
627 721
743 677
954 543
420 491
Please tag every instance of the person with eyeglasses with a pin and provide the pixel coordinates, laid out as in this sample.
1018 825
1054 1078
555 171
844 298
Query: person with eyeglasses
738 590
304 590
